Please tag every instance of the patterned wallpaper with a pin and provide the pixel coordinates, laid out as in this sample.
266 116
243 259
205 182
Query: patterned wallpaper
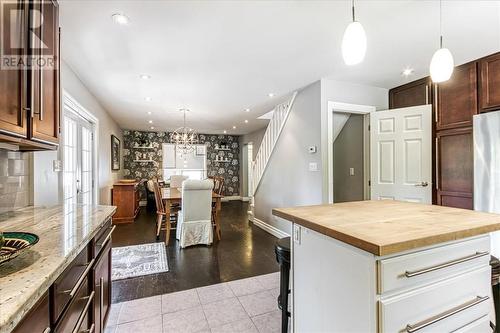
144 171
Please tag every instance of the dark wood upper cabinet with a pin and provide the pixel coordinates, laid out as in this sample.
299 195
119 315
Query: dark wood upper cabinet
489 83
456 99
411 94
30 98
46 99
455 171
13 83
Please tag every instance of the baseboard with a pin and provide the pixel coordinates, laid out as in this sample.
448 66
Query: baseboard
269 228
235 197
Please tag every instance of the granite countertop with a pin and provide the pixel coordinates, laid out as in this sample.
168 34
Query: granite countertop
64 231
387 227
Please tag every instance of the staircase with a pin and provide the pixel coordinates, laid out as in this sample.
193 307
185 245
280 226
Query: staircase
269 140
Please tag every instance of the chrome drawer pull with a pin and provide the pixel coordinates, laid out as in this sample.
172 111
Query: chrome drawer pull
418 326
72 292
108 237
84 312
90 330
47 330
409 274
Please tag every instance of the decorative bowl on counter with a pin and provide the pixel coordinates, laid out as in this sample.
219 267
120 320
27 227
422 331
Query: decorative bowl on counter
127 181
15 243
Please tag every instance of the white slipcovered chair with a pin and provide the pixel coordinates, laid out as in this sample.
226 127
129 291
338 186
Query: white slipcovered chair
177 180
194 224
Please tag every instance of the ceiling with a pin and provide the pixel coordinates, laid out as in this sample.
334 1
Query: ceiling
219 57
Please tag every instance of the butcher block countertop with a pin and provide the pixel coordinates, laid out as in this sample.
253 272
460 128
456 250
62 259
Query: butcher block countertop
387 227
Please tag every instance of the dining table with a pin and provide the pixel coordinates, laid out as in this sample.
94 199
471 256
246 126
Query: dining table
172 196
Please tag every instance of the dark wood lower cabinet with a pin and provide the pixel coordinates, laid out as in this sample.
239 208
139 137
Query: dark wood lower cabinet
102 282
455 168
37 320
80 298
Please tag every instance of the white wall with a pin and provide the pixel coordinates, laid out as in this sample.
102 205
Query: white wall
287 180
47 184
337 91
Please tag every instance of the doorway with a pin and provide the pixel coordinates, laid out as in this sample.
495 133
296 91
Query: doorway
247 180
348 161
78 156
348 152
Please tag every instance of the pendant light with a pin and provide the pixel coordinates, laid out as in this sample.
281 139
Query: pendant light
185 138
354 41
442 63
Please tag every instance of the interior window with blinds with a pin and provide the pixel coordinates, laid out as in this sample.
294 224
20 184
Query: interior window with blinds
175 162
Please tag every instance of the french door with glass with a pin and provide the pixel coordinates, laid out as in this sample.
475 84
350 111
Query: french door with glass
78 155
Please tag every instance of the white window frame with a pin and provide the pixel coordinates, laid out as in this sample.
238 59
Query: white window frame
76 108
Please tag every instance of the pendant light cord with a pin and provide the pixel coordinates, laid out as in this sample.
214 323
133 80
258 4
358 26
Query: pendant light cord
353 12
440 24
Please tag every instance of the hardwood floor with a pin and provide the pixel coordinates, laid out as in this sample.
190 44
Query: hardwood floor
244 251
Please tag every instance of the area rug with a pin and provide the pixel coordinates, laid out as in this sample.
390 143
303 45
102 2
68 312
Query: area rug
138 260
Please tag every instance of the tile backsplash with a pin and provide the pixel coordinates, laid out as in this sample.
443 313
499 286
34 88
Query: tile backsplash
14 180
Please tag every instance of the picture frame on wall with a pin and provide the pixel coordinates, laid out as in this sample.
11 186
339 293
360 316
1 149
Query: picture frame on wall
115 153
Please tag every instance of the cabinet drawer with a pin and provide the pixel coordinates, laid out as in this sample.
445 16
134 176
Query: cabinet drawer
477 326
76 315
66 285
418 268
103 237
442 307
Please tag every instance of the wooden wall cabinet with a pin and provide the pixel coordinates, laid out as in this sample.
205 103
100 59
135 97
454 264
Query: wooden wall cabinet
412 94
30 99
489 83
455 168
126 197
45 105
456 99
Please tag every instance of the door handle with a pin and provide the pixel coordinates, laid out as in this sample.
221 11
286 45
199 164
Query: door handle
422 184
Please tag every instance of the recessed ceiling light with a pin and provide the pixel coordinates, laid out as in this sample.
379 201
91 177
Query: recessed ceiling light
120 19
270 94
149 112
152 127
246 121
407 71
247 110
234 127
147 99
145 76
150 121
225 131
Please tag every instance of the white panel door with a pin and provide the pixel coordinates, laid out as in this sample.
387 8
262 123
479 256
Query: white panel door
400 149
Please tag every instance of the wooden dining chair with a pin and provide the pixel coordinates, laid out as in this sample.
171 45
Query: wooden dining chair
161 216
219 189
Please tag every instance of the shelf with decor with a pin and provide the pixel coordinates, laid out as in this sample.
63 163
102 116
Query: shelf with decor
143 147
223 149
143 161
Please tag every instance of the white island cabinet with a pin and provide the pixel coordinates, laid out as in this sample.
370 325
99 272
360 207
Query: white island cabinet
379 266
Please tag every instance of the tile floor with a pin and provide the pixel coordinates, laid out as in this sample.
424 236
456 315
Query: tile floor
247 305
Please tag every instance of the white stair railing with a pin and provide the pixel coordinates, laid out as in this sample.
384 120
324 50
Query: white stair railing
269 140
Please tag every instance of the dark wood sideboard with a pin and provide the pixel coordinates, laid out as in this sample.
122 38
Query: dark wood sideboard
126 197
80 298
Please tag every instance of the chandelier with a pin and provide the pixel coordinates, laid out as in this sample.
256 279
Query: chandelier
185 138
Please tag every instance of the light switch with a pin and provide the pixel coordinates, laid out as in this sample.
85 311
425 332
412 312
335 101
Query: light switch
351 171
313 166
57 165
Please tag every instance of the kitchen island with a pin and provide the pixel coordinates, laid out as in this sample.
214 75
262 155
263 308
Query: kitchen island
74 241
388 266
